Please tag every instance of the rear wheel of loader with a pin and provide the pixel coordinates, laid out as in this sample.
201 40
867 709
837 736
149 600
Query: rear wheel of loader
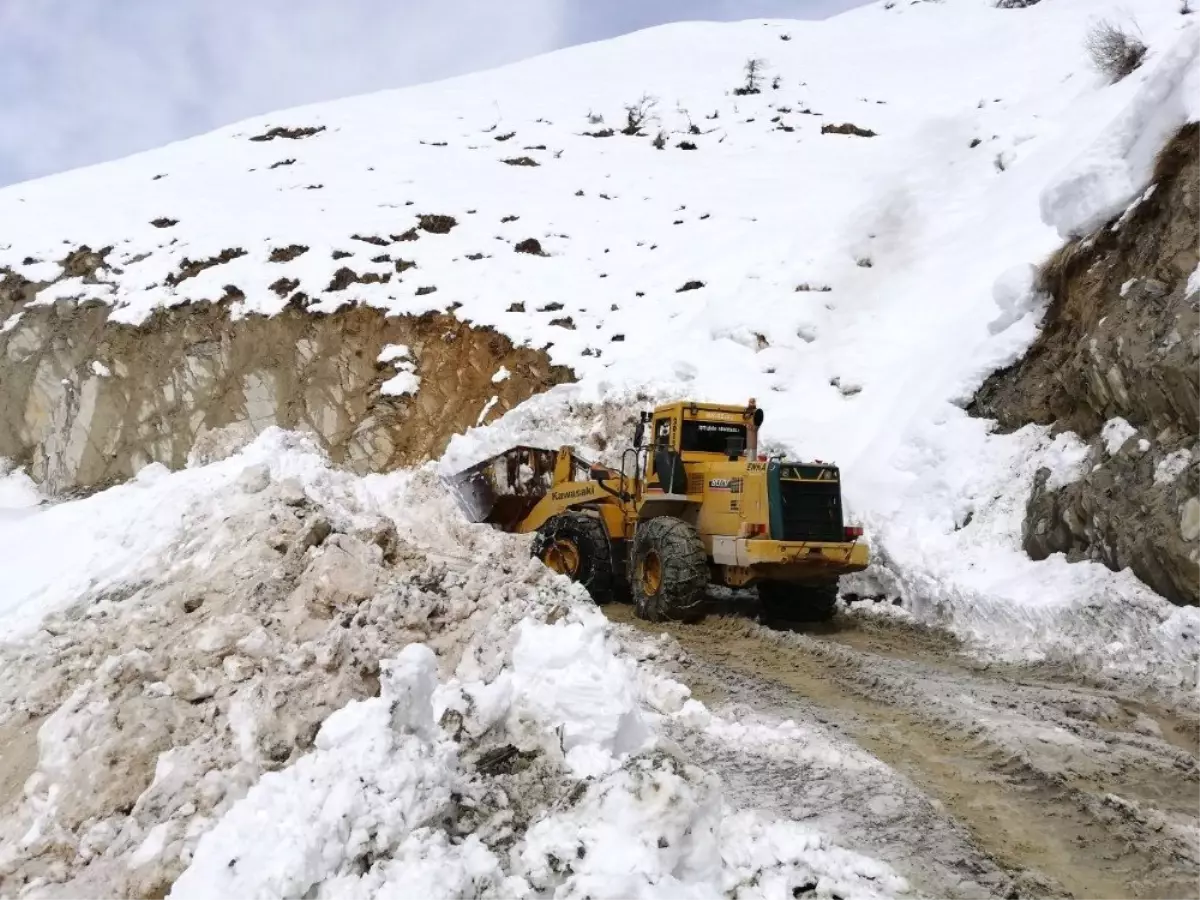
783 601
669 571
576 545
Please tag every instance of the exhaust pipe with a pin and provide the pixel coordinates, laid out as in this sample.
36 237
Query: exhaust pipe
752 430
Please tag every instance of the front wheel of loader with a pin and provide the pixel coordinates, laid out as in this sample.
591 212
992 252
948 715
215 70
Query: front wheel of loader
576 545
783 601
669 571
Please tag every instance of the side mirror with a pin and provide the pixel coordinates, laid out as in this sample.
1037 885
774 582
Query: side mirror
639 434
758 418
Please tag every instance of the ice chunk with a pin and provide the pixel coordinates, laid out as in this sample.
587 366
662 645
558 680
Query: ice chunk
405 381
392 352
566 676
401 383
1015 296
1115 433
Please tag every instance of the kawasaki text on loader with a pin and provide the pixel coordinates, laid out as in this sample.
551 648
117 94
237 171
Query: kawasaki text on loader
698 505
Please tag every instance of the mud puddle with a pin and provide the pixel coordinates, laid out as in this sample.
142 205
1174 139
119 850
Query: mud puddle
1070 789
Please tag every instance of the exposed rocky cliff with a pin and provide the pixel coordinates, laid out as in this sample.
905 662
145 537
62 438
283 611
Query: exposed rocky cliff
1118 362
86 401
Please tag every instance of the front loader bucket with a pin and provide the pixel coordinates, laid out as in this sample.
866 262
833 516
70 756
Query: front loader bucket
503 489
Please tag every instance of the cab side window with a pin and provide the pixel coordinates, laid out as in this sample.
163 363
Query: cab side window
662 432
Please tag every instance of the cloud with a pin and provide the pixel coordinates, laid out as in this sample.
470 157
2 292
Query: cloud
83 81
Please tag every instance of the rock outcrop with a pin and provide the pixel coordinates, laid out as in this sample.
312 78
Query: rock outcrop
1118 362
86 401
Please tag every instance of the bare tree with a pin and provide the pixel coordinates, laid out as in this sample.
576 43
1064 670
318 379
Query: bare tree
1114 52
753 70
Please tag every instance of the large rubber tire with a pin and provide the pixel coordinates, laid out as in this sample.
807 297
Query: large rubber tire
783 601
668 571
586 536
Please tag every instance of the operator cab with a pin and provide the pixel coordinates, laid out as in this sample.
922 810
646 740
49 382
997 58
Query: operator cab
694 432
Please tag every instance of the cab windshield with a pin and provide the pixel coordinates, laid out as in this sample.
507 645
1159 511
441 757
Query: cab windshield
710 437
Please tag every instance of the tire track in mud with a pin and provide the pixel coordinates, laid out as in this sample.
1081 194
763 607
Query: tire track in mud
1070 789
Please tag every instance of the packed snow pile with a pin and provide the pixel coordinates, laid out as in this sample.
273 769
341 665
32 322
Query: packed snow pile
437 707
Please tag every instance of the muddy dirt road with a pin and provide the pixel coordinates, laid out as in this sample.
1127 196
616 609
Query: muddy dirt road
972 780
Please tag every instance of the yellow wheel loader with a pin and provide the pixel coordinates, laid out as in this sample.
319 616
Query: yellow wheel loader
696 505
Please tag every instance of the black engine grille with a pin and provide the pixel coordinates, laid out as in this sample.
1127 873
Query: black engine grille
811 511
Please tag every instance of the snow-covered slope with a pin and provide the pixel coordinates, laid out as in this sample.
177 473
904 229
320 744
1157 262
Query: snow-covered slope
859 286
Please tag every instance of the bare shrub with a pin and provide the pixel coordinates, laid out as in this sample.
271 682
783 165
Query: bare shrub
1114 52
660 140
639 114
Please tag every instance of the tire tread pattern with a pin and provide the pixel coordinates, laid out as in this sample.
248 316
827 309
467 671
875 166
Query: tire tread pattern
590 536
684 568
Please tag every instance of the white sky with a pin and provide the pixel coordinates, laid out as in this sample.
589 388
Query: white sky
82 81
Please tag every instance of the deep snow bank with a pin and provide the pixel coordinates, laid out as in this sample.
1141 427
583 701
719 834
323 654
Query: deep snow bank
1104 179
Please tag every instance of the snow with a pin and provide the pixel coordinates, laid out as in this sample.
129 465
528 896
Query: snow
573 683
1115 433
1172 466
405 381
1015 295
17 491
378 772
502 374
120 535
1193 282
487 408
99 368
1112 171
393 352
651 831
